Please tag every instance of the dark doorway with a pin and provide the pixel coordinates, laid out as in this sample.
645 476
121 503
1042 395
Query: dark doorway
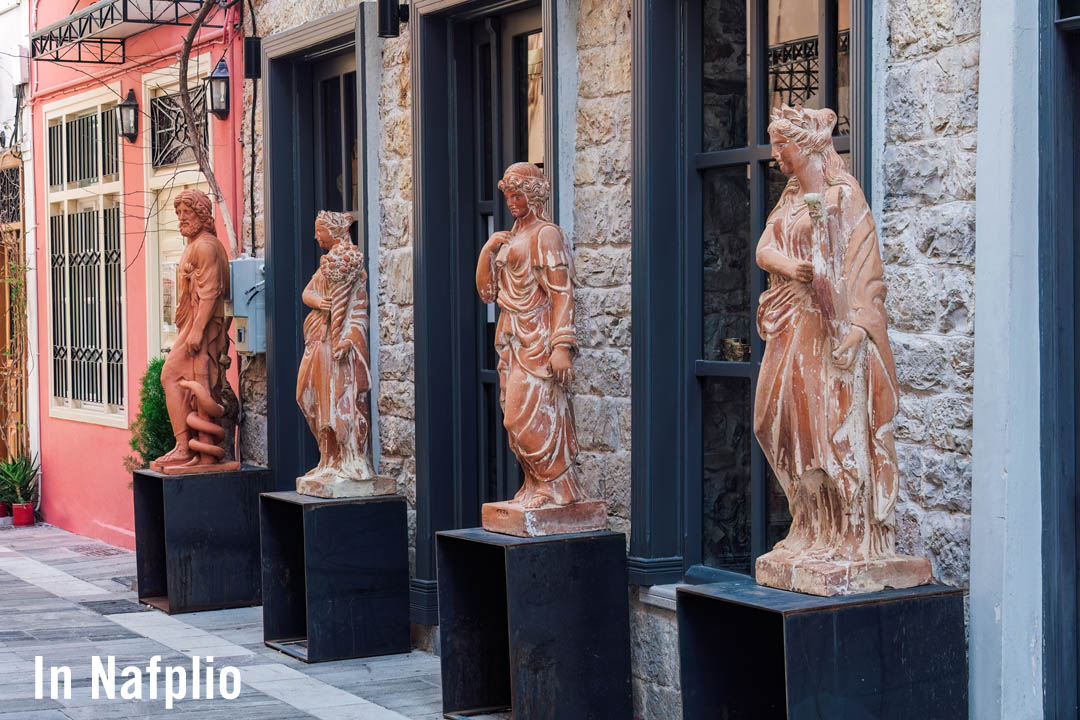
507 60
312 147
483 98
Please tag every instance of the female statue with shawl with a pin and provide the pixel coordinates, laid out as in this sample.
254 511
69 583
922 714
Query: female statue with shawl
827 391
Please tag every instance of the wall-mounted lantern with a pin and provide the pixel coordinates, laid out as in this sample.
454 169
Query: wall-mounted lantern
391 14
127 116
218 102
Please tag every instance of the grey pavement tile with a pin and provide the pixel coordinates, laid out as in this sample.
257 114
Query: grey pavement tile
34 715
27 705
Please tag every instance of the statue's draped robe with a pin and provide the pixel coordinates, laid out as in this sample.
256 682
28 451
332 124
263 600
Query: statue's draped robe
827 433
532 281
331 393
202 277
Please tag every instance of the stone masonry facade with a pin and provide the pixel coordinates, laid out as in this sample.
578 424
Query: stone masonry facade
926 228
928 235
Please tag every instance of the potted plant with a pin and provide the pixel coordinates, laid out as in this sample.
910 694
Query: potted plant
19 477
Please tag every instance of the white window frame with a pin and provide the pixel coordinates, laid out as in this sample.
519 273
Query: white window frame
67 408
165 179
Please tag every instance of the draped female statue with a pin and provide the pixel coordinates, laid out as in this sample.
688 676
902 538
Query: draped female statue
827 391
334 381
529 273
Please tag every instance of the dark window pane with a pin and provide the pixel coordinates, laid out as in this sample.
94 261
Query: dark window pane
333 177
724 74
725 482
483 88
776 506
776 182
352 146
726 258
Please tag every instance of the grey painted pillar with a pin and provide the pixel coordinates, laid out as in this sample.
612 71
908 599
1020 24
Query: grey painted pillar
1006 525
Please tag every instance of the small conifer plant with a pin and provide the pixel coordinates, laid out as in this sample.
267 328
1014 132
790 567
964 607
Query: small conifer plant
151 432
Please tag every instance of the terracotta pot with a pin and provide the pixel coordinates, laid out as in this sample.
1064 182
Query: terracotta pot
22 514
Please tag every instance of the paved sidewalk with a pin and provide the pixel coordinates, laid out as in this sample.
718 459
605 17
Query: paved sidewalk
67 598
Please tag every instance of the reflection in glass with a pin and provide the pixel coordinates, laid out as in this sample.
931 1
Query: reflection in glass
794 54
725 466
843 70
724 74
530 68
726 260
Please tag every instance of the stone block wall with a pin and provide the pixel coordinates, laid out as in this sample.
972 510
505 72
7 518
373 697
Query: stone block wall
928 237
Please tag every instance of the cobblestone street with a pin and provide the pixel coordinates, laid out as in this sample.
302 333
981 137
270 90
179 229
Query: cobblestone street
68 598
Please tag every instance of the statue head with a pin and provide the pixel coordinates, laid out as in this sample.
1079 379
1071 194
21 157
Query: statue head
528 180
799 135
332 227
194 212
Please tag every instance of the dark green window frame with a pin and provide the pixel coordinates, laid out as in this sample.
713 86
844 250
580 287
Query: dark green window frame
669 369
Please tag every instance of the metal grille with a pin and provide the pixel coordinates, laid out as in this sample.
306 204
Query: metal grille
10 196
114 331
82 150
56 154
110 148
171 137
59 305
793 71
97 551
84 280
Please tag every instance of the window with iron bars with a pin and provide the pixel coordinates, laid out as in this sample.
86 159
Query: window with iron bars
172 141
85 280
10 196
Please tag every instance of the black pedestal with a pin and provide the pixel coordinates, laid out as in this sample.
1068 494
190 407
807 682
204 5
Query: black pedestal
539 625
197 538
335 576
753 652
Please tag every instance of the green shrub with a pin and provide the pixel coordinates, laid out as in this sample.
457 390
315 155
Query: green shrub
151 432
19 478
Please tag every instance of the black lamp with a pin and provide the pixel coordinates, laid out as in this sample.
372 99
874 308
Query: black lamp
391 14
218 87
127 115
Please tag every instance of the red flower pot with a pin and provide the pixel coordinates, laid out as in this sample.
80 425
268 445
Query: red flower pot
22 514
3 510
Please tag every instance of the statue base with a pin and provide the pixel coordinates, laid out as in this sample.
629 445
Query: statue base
895 654
184 469
828 578
330 485
510 518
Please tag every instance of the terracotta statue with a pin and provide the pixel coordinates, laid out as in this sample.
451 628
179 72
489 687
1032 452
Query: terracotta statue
193 376
827 391
334 381
529 273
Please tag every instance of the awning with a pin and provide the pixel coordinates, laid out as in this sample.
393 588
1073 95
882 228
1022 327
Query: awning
96 34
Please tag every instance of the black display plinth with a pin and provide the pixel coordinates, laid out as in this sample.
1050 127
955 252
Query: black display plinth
335 576
197 538
748 651
537 625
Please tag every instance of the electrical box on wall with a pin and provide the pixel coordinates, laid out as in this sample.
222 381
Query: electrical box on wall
247 304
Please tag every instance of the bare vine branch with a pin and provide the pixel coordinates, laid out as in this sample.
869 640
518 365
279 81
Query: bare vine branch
189 119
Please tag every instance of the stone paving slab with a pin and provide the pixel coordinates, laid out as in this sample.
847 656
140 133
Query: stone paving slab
67 598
